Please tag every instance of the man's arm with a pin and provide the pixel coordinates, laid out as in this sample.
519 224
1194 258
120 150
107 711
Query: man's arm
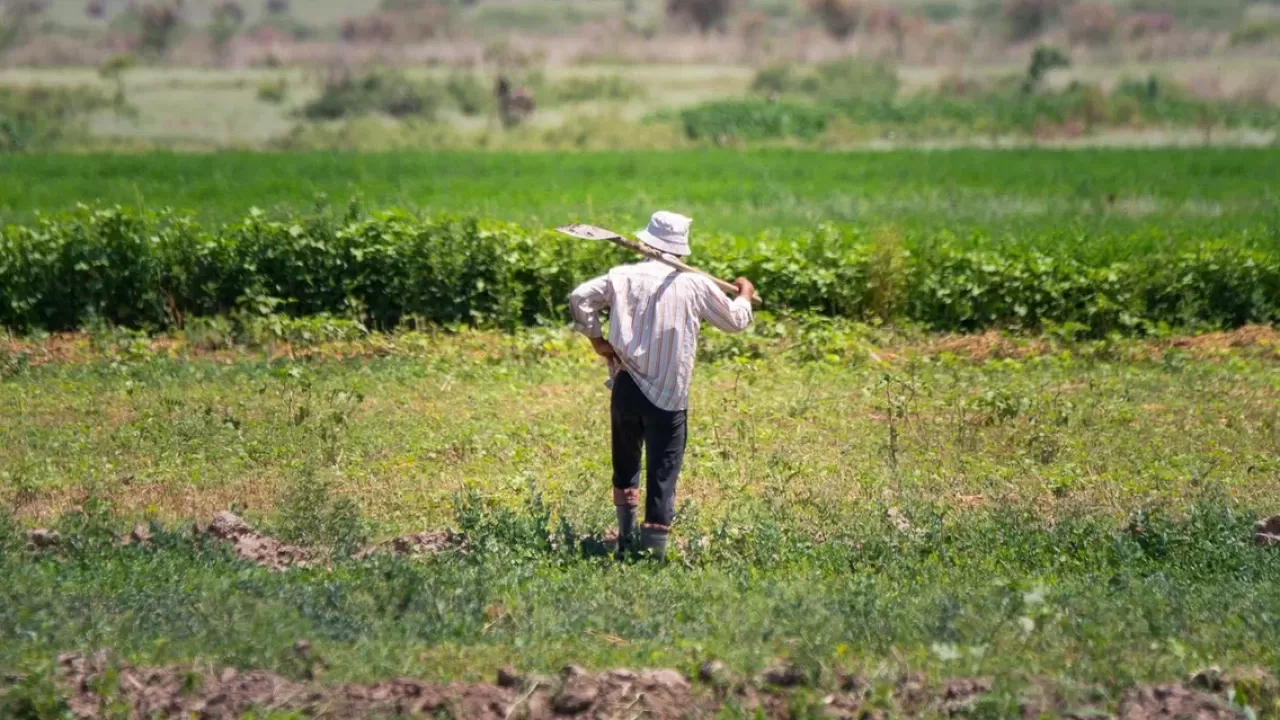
730 315
585 303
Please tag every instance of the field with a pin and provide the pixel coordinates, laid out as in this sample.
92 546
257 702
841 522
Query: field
997 445
1189 194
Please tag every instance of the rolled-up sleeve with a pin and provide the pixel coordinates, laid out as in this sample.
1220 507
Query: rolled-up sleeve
730 315
585 303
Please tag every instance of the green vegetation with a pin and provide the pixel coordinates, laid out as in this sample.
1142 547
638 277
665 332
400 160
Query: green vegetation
803 102
154 270
1078 519
386 92
1066 510
43 118
1037 198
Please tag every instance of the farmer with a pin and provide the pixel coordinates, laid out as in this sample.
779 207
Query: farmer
654 315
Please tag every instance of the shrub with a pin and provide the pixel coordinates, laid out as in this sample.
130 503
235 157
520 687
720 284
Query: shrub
468 93
38 118
602 87
158 26
273 91
1257 32
705 15
833 81
385 92
778 78
146 270
850 78
312 516
224 23
753 120
1044 60
839 18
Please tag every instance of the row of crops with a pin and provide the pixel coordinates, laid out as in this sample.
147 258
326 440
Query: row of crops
156 269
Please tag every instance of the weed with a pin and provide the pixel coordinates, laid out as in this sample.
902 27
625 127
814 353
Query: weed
311 515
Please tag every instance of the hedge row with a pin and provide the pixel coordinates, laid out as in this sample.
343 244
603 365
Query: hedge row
153 270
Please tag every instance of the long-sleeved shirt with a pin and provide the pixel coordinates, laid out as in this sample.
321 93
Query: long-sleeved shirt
654 315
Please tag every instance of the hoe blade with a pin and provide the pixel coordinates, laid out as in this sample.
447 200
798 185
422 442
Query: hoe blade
587 232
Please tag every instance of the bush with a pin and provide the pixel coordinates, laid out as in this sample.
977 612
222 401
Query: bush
312 516
602 87
225 22
159 26
147 270
38 118
839 18
775 79
377 91
753 120
468 93
834 81
1257 32
273 91
705 15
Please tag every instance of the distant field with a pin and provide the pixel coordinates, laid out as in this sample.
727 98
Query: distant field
1082 196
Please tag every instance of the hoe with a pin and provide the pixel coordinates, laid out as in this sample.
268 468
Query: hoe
589 232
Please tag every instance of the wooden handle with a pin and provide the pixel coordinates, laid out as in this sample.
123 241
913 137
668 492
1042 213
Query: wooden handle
672 262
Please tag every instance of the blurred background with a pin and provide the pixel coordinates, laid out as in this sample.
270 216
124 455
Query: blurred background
632 74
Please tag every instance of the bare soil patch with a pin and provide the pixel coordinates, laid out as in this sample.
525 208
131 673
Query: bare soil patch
93 683
1268 532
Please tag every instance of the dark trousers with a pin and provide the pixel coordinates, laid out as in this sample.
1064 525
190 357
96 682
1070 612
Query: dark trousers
637 422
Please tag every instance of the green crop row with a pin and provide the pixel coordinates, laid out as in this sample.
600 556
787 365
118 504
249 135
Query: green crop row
156 269
804 112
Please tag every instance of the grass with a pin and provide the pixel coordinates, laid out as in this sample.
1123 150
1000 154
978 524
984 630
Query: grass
1184 193
1057 432
1066 517
1077 514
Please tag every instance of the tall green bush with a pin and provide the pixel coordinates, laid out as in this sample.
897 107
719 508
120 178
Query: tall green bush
159 270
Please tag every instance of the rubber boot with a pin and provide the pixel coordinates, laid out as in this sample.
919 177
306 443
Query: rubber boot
625 501
653 541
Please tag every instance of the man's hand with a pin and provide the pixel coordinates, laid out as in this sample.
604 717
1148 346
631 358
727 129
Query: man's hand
745 288
603 348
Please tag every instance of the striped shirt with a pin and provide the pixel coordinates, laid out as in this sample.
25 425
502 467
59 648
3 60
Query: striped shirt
654 315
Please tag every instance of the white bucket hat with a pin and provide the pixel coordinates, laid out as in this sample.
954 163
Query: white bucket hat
668 232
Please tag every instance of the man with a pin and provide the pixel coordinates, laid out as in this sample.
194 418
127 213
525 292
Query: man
655 312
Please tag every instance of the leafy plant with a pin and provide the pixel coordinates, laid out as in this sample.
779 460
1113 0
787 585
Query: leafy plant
311 515
345 94
273 91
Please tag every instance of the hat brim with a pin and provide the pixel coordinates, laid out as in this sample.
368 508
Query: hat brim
665 246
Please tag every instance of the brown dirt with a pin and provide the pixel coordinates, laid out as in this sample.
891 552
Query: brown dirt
1174 702
1247 336
179 691
422 543
183 691
1268 532
256 547
273 554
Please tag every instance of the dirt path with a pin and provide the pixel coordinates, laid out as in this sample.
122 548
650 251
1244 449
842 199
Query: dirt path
182 691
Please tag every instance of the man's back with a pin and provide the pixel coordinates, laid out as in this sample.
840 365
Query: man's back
655 315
